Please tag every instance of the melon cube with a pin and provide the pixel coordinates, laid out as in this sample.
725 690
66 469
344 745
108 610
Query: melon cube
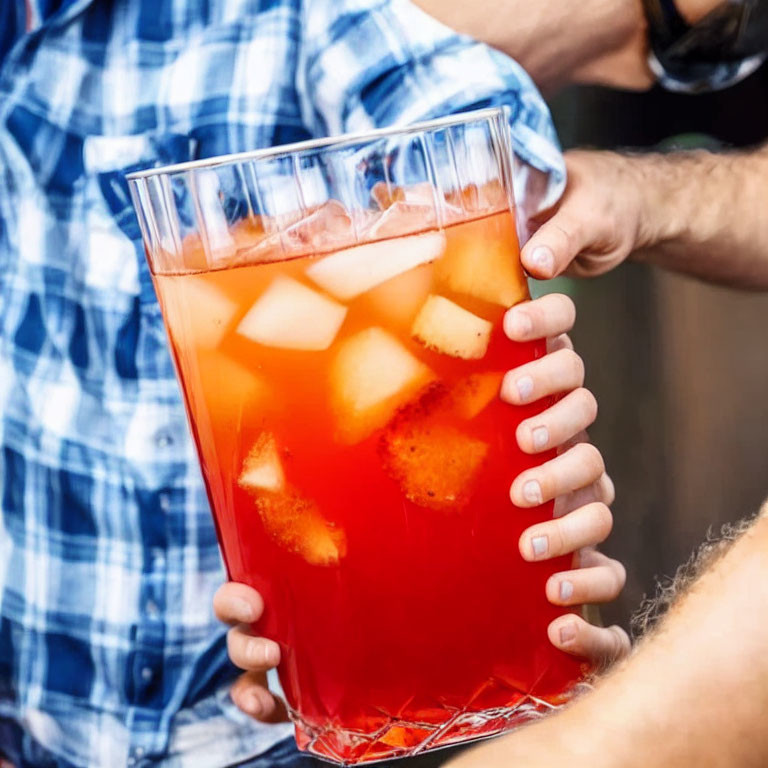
399 299
447 328
435 465
485 269
372 376
295 524
474 393
197 313
351 272
289 315
262 469
230 390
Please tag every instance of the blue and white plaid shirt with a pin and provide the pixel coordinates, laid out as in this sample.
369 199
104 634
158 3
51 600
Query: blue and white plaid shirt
109 652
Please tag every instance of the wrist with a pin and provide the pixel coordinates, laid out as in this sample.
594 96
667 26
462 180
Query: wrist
670 197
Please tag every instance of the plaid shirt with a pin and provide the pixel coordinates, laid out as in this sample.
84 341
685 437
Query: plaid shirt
109 652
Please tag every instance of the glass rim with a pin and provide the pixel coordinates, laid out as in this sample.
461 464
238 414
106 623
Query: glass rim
473 116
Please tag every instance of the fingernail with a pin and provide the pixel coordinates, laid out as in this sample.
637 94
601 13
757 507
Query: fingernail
543 260
540 437
518 324
566 591
524 387
540 545
532 492
243 610
567 634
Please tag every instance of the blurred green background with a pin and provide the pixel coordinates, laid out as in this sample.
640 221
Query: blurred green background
679 368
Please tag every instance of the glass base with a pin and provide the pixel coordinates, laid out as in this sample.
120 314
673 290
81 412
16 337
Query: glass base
401 738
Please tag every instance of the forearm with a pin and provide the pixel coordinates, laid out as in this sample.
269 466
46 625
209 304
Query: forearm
694 695
550 38
704 214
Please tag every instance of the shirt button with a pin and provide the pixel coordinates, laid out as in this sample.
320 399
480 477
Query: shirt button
158 557
163 439
153 610
146 675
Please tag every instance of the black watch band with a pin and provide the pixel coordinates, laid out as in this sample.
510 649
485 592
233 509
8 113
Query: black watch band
725 46
666 24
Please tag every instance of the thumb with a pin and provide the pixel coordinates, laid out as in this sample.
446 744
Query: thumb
554 245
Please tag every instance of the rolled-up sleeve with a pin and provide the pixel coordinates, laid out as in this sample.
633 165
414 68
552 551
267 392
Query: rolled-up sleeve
373 63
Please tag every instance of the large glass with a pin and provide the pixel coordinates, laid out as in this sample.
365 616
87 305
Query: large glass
334 310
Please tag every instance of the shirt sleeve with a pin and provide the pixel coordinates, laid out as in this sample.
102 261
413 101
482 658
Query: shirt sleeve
373 63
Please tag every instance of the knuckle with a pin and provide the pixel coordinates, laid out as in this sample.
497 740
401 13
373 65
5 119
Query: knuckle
591 457
621 643
564 229
588 404
604 518
576 365
619 574
606 490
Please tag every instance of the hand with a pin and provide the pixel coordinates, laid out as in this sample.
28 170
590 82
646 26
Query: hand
596 225
576 478
239 606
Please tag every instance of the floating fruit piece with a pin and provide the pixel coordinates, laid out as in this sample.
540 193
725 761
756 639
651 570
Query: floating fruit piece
434 465
288 315
351 272
445 327
372 375
262 470
483 267
295 524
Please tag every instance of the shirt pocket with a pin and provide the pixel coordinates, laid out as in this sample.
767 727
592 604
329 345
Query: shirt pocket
115 273
107 160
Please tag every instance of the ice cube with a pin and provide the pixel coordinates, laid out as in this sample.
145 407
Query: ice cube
474 393
230 389
372 375
289 315
295 523
447 328
262 469
401 218
197 313
484 268
328 226
435 465
346 274
399 299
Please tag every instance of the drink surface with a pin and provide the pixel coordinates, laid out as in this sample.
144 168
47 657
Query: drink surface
358 460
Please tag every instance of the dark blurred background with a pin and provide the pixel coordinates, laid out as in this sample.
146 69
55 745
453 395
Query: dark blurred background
679 368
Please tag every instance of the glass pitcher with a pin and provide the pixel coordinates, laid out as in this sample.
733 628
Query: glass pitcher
334 310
